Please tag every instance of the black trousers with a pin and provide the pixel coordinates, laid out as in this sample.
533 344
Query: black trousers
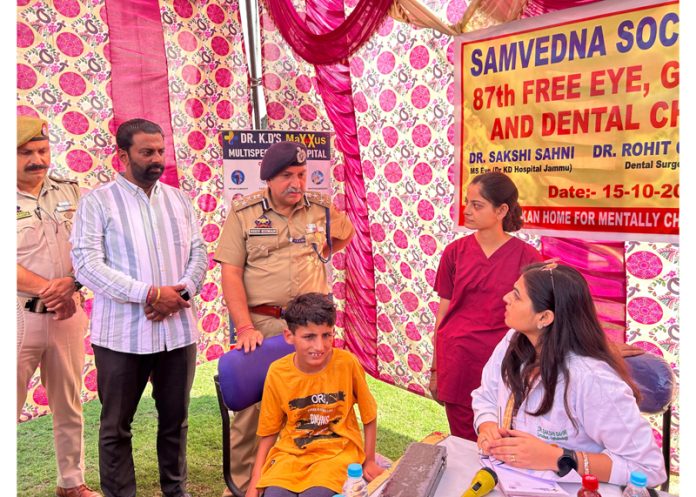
121 380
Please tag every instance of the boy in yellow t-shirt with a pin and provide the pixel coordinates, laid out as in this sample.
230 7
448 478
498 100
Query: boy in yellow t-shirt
308 428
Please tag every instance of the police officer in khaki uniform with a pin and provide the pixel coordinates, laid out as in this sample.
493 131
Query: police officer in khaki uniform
54 322
273 247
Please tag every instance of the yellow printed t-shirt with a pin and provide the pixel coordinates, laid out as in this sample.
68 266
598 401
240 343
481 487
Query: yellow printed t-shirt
319 433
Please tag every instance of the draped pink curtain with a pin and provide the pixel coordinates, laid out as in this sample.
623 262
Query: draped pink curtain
538 7
337 37
602 265
139 70
334 86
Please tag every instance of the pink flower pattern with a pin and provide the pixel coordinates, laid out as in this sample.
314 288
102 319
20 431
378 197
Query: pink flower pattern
644 265
62 91
644 310
652 283
419 157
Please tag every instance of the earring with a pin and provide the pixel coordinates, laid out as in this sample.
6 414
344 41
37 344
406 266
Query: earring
540 326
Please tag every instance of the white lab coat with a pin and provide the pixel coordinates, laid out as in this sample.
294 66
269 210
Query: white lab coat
602 404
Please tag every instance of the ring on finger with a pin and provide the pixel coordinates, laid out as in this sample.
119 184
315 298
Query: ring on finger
512 458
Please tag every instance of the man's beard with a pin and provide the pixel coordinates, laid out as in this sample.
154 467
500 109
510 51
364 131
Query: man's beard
154 171
147 174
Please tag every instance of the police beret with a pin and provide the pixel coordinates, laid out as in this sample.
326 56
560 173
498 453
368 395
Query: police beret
281 155
31 129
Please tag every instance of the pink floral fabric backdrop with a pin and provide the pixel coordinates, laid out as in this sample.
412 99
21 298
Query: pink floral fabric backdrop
403 93
403 89
63 75
652 315
292 103
208 92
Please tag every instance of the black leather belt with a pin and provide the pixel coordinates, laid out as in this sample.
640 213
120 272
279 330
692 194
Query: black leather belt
36 305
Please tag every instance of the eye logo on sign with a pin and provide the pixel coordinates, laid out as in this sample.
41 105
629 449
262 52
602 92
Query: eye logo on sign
317 177
237 177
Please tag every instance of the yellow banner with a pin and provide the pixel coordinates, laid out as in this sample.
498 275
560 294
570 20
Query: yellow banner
581 109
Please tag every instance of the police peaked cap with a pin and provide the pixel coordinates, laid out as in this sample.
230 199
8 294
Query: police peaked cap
282 155
31 129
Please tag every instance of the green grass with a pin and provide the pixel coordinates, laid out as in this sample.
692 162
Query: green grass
403 418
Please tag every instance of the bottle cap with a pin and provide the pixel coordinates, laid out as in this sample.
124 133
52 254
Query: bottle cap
355 470
639 479
590 482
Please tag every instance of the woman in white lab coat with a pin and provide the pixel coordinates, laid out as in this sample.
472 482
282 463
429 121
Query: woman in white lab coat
554 395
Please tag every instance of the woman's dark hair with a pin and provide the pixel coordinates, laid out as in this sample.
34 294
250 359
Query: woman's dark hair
125 132
310 307
575 328
498 189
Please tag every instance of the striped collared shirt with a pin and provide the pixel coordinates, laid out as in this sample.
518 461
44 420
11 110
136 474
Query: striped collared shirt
122 243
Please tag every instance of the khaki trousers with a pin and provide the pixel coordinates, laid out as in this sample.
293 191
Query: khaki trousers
59 347
243 439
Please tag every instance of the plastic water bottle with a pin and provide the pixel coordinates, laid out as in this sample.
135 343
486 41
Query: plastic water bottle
637 487
355 486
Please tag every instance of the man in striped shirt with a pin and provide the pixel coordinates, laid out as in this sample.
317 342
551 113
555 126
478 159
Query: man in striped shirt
137 246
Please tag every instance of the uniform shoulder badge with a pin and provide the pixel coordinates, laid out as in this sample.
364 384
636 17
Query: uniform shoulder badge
62 179
247 201
319 198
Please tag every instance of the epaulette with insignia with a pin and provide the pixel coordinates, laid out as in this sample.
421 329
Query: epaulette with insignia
62 179
318 198
247 201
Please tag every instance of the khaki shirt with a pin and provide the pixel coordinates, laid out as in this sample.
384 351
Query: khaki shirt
276 251
43 228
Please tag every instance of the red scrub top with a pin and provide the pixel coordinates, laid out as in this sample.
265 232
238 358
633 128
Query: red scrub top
475 320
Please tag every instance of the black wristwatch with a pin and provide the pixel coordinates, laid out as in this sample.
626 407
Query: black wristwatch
566 462
185 295
77 284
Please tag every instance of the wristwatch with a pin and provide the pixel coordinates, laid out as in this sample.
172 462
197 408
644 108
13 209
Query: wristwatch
566 462
185 295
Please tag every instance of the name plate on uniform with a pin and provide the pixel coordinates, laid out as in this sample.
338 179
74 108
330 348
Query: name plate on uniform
263 231
64 206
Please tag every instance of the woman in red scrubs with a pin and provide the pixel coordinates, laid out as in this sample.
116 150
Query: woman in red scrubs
474 273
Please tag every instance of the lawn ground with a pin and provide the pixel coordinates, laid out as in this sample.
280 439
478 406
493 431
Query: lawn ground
403 418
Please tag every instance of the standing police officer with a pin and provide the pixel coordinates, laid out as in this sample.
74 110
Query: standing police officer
54 322
273 247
